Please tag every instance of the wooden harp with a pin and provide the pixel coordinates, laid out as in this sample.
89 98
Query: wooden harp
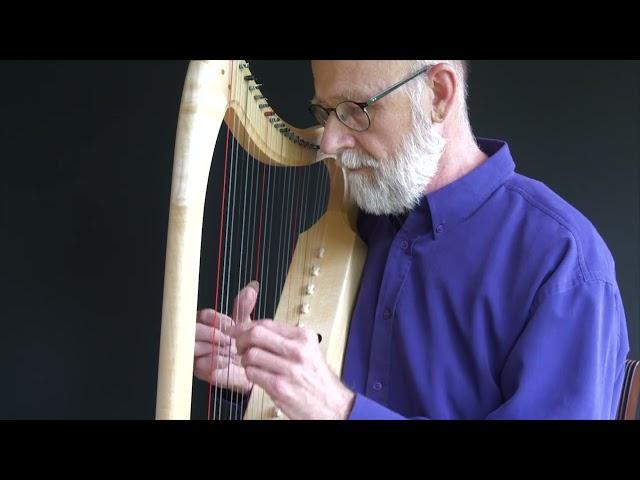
225 91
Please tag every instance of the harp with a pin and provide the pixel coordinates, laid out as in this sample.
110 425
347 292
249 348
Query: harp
324 271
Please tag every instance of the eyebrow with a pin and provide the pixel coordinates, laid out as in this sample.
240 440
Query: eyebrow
348 95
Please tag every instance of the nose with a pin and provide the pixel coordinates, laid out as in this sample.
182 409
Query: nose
336 136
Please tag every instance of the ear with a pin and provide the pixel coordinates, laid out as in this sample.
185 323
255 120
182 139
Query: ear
444 85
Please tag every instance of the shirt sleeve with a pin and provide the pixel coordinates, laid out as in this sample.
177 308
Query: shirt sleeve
568 362
366 409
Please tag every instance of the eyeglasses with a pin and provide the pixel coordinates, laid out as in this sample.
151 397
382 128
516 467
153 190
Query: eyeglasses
354 114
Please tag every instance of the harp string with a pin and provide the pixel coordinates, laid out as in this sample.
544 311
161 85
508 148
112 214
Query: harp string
248 271
247 216
229 220
217 300
245 274
236 231
267 253
227 261
257 225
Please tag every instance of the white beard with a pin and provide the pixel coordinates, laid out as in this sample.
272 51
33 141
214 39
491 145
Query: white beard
393 186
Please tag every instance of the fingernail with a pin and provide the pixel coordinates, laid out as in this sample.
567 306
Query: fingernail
255 285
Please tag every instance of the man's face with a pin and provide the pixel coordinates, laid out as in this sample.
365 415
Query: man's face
336 81
389 165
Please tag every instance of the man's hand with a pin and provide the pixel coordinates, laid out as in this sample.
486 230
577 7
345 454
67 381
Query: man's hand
287 362
216 359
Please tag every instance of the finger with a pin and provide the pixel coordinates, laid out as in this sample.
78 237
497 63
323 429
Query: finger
209 316
259 335
244 302
264 360
204 367
205 333
206 348
225 375
288 331
263 378
270 382
202 348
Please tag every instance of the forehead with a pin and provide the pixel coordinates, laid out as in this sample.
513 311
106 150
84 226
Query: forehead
336 80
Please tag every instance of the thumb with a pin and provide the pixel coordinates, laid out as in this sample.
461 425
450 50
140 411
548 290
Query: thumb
245 302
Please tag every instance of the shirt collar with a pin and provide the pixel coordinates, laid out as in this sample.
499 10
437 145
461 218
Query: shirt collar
458 200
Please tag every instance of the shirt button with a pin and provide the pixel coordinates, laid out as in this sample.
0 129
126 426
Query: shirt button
404 245
440 228
386 314
377 386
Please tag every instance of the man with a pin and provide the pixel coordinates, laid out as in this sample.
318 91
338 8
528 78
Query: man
484 294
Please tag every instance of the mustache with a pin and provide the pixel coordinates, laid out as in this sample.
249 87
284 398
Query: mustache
352 159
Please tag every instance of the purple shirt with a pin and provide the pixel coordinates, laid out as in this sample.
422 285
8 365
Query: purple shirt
495 299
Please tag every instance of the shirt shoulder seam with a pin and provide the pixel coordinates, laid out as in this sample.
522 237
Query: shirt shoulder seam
585 273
